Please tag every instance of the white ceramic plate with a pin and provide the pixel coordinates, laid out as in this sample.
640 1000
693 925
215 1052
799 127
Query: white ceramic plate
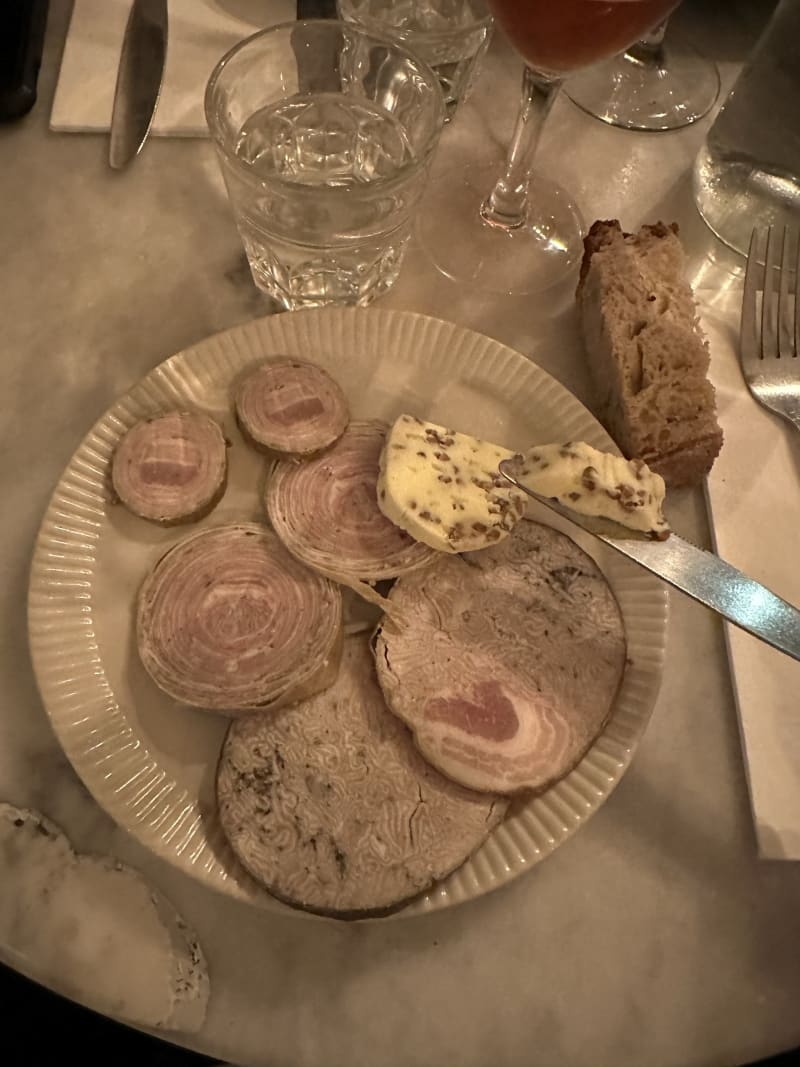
151 762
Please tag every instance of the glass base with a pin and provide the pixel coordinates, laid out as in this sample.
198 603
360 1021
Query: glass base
665 94
477 254
735 194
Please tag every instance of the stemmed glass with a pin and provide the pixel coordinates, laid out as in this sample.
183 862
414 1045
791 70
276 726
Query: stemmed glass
527 233
653 85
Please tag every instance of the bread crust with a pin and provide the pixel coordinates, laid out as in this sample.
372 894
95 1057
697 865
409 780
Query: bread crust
646 352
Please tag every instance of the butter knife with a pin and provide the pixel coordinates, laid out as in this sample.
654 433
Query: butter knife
316 9
702 575
139 78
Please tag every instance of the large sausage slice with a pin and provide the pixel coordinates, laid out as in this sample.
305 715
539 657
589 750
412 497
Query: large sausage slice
331 807
228 620
504 662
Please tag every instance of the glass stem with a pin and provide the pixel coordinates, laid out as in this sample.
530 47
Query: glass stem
649 50
506 206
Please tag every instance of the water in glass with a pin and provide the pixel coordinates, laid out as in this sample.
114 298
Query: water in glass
325 136
304 237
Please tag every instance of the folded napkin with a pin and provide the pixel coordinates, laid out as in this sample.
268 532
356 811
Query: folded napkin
754 498
200 32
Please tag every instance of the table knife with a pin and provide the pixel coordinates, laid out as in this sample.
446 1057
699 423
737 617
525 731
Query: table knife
702 575
139 79
316 9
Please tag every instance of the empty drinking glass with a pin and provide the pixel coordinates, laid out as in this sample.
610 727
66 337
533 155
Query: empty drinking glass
450 35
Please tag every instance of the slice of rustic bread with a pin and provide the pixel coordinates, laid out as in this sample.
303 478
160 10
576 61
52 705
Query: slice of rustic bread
647 354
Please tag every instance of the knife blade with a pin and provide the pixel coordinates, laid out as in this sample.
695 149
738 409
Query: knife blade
703 575
139 79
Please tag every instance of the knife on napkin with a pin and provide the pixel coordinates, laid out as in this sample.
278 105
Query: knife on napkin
139 78
700 574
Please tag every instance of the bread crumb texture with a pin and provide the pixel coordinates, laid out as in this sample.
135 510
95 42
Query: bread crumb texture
647 354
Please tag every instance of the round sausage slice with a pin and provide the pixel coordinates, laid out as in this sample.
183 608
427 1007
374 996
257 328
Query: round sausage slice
330 806
326 512
228 620
172 468
290 405
507 662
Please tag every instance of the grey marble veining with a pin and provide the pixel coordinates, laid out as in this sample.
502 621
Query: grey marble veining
652 936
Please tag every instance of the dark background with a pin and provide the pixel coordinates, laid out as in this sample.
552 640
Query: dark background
40 1029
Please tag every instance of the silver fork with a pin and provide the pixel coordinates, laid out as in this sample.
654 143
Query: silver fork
770 336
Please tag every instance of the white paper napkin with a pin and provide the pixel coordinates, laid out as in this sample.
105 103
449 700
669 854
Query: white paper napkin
200 32
754 498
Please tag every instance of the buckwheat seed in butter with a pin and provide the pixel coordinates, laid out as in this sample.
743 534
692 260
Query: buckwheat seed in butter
444 487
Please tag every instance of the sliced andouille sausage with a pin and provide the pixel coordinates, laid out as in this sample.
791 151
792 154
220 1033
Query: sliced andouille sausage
326 512
228 620
507 662
290 405
171 468
330 806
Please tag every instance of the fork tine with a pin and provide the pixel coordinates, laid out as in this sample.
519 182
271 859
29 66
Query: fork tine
769 319
748 332
773 382
784 325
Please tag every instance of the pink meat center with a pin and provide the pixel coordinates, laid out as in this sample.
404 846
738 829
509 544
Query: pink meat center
489 715
168 472
298 410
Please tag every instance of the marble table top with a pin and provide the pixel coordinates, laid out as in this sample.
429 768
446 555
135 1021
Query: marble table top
654 935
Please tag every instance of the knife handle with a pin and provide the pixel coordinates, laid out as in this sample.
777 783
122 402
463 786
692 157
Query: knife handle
22 26
316 9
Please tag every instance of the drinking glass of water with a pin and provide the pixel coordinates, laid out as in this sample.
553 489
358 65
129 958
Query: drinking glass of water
324 134
450 35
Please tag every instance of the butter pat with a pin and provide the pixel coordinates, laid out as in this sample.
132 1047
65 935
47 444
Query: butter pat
444 488
597 483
